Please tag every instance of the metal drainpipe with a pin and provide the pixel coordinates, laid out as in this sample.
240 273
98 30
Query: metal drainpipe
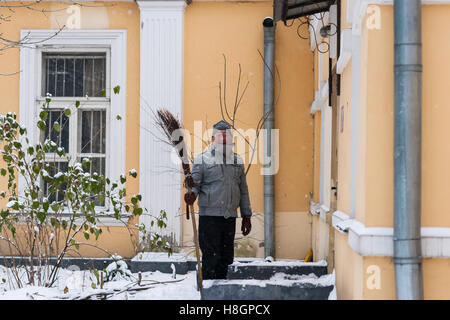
269 205
407 149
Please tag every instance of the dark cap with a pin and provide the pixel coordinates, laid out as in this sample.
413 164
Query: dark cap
222 125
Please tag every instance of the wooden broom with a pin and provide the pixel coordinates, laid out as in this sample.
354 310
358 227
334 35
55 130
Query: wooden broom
169 124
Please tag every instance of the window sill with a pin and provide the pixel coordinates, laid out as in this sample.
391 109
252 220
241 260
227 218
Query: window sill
72 99
106 220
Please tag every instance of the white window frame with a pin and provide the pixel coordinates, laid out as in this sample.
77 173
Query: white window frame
90 103
30 100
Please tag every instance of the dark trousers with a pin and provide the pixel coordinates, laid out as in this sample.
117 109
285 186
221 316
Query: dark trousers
216 239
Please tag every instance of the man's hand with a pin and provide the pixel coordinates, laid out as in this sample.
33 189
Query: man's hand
246 225
189 198
189 181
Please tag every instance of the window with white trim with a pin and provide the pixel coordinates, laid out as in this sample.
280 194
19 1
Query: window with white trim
67 76
106 110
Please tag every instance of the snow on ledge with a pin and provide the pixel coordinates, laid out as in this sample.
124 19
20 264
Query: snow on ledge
162 257
279 279
278 262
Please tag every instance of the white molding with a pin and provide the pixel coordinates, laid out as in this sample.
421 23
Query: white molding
321 98
317 103
370 241
341 221
354 122
104 221
333 12
161 86
325 154
378 241
312 36
314 208
318 209
435 242
349 13
150 7
346 50
314 33
359 12
116 41
324 93
323 212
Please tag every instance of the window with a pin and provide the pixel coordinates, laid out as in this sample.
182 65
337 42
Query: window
70 76
70 66
73 74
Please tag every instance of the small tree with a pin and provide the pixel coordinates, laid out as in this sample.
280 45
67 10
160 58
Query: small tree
37 224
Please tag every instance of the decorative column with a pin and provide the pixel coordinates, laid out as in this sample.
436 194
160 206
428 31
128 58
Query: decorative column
161 86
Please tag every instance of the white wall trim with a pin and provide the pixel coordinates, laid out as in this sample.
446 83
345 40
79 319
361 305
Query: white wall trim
354 122
107 220
161 86
321 98
318 209
325 154
378 241
346 50
314 208
340 221
151 7
317 103
323 212
314 31
116 40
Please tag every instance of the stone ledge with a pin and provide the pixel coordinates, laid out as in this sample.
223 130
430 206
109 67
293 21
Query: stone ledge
181 267
248 290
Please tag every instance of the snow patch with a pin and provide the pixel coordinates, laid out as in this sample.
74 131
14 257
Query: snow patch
162 257
280 262
11 204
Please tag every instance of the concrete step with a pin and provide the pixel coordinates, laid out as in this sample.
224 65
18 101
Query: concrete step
313 289
263 270
257 279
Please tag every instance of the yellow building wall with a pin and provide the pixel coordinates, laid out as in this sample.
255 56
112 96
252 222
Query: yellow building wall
113 240
114 15
435 128
380 120
436 279
235 29
354 274
362 140
378 107
349 270
378 278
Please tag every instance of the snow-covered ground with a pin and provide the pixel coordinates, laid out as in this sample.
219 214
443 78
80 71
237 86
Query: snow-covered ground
78 285
124 285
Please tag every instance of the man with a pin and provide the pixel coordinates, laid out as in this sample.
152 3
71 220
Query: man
221 186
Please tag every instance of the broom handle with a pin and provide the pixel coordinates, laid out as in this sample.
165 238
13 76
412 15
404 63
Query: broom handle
197 246
197 249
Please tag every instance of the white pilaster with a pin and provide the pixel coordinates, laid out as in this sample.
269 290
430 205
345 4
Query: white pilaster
161 86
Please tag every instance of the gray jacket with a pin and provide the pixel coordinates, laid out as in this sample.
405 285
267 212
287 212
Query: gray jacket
221 187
